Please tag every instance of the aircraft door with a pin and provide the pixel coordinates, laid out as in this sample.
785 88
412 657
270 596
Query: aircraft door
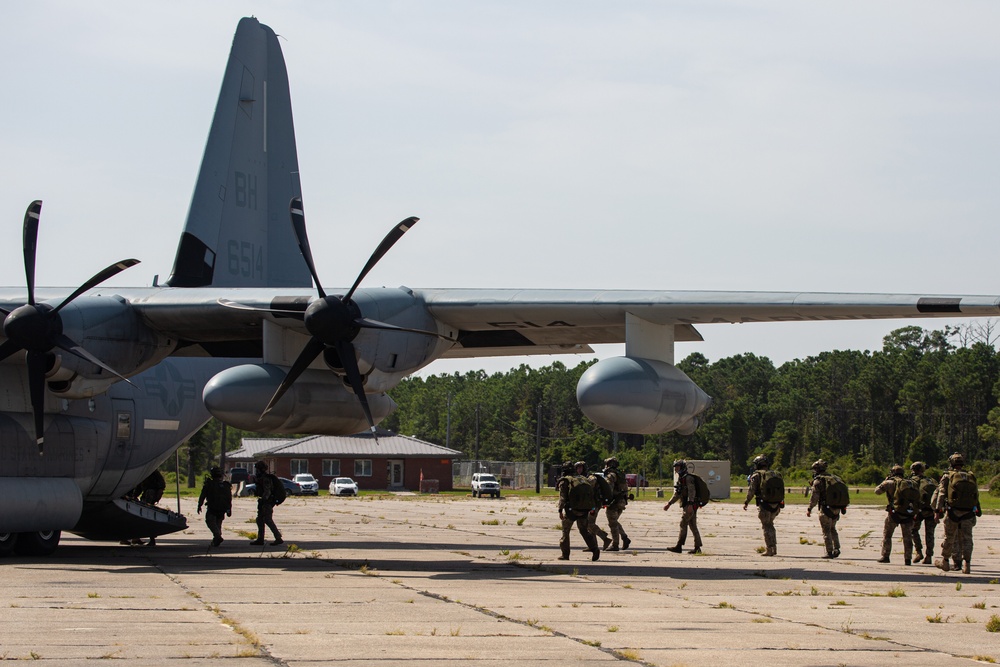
120 449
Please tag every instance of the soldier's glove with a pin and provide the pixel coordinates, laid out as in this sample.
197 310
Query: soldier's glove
979 512
229 513
199 509
843 511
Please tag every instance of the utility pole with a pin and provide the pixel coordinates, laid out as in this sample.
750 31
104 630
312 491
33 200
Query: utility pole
447 431
538 450
476 469
222 449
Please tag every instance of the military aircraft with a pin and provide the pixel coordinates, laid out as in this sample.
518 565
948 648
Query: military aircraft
245 330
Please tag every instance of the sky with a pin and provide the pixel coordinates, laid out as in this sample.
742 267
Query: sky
705 145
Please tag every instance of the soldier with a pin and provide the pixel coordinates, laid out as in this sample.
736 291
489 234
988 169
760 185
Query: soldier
217 493
602 497
769 490
265 505
619 500
958 502
576 502
685 492
828 515
902 496
924 515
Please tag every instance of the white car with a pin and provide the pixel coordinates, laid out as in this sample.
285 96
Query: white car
308 484
343 486
483 483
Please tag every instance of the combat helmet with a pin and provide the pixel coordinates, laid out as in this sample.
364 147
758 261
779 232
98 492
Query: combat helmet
580 464
260 466
897 471
216 472
819 467
918 467
761 463
682 464
956 460
611 462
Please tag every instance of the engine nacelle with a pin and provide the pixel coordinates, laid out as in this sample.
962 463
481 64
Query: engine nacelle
632 395
318 402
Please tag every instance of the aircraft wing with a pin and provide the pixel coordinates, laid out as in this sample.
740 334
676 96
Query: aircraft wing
495 322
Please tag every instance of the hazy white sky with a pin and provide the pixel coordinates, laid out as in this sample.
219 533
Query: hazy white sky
819 146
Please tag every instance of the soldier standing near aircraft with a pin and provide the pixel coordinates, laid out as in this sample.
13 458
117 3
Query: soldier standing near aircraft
602 496
265 504
828 492
619 500
958 502
685 492
576 502
902 500
217 493
769 489
924 514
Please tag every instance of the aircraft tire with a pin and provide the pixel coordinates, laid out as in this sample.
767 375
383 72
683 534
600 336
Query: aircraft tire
40 543
7 543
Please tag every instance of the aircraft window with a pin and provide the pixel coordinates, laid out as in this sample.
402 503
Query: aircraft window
124 425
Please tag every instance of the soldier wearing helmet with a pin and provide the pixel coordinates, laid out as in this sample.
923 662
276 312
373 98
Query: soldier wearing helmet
769 490
958 502
577 499
925 513
619 500
217 493
265 504
902 501
686 493
829 516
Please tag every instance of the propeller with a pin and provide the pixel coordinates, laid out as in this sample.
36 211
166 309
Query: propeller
38 327
334 320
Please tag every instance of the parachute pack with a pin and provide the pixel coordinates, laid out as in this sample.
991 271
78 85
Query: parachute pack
772 488
278 491
927 487
836 493
906 497
602 490
963 491
702 492
581 493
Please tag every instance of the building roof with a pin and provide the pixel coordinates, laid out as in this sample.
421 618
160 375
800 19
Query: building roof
389 445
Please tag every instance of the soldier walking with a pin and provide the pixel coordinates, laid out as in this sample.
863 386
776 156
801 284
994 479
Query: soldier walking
902 497
924 514
686 493
576 502
619 500
265 505
769 489
217 493
958 502
825 486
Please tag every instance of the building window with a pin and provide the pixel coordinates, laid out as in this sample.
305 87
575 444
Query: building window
363 468
299 466
331 467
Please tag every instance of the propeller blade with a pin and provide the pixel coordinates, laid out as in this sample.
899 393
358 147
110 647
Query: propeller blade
349 359
309 352
98 278
366 323
30 243
299 224
37 364
64 342
242 306
390 239
8 348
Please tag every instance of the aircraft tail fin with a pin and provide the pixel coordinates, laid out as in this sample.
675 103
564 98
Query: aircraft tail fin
238 232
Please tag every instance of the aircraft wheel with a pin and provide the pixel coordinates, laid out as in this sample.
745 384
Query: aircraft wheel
40 543
7 542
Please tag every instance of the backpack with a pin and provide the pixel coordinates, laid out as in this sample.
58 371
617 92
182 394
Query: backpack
278 491
772 488
581 493
906 497
620 489
963 491
603 490
702 492
835 493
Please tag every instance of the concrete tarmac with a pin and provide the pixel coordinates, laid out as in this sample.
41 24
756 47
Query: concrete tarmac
434 580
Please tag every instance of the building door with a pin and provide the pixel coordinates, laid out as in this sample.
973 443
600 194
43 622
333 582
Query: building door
395 474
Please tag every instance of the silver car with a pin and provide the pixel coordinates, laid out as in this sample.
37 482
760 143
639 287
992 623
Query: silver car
343 486
308 484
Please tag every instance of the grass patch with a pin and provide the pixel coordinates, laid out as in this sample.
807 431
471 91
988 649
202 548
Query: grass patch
490 522
613 628
724 605
993 625
936 618
520 521
979 605
896 592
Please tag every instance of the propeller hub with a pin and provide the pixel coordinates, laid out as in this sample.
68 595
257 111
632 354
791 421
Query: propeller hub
331 319
33 327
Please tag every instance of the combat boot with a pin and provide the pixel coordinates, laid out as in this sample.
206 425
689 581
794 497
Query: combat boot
597 555
919 555
613 547
625 542
956 564
883 559
676 549
607 542
696 550
967 569
927 559
943 563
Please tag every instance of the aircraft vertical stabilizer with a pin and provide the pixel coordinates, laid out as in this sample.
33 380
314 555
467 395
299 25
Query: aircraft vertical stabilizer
238 232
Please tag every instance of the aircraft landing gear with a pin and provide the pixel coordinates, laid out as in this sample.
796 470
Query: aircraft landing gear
40 543
7 542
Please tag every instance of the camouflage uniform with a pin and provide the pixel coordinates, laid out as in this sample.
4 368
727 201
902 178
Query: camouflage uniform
766 512
958 525
686 493
265 507
925 516
828 517
892 519
570 516
619 487
217 493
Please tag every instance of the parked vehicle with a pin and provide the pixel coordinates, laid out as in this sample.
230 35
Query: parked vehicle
633 480
291 488
483 483
239 475
308 484
343 486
